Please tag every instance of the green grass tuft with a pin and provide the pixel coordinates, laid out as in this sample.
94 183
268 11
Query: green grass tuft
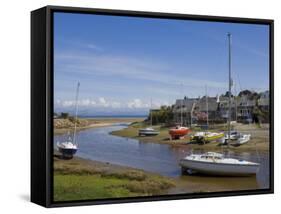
78 179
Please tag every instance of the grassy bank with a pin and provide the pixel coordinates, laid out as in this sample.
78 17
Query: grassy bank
80 179
259 137
62 126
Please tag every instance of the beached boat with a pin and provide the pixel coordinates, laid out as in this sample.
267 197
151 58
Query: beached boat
212 163
69 147
232 135
205 137
236 139
242 139
178 132
149 131
215 163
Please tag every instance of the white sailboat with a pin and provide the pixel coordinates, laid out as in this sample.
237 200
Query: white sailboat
215 163
234 137
212 163
241 139
149 131
69 147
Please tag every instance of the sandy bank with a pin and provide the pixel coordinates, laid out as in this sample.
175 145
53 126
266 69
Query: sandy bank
62 126
259 138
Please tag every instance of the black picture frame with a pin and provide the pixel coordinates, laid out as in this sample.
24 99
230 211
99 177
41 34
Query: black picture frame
42 103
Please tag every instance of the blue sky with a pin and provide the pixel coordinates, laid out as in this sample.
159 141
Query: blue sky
124 62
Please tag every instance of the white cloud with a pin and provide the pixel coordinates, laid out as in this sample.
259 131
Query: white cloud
101 102
67 103
134 104
58 102
85 102
137 103
116 105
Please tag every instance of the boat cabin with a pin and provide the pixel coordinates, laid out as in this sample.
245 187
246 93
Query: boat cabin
212 155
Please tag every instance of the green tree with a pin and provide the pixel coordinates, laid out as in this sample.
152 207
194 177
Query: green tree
64 115
162 115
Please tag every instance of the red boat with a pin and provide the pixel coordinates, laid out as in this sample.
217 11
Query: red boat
178 132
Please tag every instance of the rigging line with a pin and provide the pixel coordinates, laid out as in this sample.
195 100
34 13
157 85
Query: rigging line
181 91
239 82
76 111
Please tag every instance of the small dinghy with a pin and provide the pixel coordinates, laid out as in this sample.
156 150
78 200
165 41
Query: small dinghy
242 139
206 137
233 135
148 132
237 139
178 132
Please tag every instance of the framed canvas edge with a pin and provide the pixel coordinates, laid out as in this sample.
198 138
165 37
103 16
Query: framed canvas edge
38 152
49 100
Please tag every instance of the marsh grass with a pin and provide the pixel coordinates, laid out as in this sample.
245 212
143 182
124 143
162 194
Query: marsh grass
79 179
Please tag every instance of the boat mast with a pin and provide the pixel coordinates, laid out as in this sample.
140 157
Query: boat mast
236 114
76 111
181 102
151 112
191 116
207 108
229 85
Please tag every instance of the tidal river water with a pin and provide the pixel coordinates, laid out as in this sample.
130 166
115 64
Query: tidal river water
98 144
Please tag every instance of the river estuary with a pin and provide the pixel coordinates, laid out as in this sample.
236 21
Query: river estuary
98 144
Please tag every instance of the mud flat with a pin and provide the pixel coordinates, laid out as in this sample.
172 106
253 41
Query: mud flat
259 137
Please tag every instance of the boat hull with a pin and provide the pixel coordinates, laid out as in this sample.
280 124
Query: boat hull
241 141
203 139
67 152
147 133
178 133
220 169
